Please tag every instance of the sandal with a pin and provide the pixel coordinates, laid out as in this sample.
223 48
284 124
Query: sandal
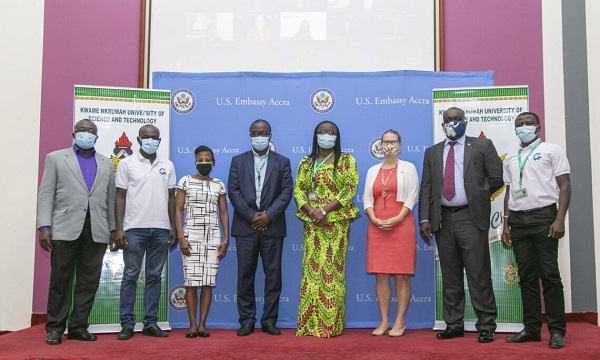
191 334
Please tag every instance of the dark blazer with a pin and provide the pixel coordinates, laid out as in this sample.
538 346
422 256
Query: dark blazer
275 197
482 172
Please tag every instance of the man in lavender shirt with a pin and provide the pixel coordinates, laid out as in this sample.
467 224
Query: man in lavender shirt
75 220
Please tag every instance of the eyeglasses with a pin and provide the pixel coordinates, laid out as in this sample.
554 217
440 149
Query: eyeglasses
326 132
260 133
389 142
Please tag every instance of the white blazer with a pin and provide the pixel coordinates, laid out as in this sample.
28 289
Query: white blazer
408 184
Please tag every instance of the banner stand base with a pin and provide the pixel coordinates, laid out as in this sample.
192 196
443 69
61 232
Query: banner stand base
115 328
470 326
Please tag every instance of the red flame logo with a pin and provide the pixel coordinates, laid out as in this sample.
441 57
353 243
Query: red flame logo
123 141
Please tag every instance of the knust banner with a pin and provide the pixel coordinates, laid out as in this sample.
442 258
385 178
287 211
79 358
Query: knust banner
119 113
490 113
216 110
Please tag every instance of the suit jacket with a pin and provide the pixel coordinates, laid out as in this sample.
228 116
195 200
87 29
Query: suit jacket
63 197
275 196
482 173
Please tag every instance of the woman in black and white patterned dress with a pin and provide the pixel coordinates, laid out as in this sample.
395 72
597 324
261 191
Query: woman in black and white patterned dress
201 197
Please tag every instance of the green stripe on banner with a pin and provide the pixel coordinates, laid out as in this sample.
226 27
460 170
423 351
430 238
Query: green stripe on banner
106 304
122 93
475 93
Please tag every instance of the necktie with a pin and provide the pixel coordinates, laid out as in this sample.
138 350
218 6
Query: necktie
449 190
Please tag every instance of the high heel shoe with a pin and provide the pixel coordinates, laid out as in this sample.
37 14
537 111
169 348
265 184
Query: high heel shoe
396 333
381 332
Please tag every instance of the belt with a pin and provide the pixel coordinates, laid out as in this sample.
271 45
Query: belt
552 206
454 208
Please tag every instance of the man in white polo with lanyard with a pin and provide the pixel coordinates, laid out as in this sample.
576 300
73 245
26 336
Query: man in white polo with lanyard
537 180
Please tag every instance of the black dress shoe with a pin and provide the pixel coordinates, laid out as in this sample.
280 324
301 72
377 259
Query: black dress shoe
81 335
450 334
271 329
191 334
53 338
486 336
524 336
557 341
245 330
155 331
126 333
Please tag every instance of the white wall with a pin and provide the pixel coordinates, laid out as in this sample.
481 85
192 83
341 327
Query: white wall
554 108
21 39
592 9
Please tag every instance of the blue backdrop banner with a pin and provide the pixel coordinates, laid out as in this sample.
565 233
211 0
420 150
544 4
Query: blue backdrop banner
216 109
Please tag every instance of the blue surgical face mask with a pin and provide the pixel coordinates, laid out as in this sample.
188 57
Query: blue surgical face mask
326 141
455 130
85 140
526 133
259 143
149 146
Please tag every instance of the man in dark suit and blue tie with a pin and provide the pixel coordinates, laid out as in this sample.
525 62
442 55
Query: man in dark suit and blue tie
459 176
260 188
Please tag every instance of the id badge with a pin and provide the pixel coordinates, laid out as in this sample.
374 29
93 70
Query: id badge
312 196
520 193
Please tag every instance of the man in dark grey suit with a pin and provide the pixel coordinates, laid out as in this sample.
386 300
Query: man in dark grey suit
459 176
260 188
75 217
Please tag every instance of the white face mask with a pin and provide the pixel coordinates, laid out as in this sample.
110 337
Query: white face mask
259 143
526 133
326 141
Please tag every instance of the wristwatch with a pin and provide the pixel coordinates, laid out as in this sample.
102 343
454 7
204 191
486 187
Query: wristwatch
323 211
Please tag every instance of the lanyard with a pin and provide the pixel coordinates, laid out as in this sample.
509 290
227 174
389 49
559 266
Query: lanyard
523 162
259 169
317 167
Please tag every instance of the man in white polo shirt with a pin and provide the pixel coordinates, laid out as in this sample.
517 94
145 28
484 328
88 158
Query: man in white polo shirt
537 179
144 214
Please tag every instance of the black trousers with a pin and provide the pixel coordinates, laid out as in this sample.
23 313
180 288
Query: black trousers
537 258
82 258
248 250
464 248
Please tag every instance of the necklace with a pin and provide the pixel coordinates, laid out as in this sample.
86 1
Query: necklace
384 182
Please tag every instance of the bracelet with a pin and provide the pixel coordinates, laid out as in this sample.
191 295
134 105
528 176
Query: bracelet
505 216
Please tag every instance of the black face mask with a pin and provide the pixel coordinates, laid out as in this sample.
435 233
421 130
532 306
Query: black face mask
204 168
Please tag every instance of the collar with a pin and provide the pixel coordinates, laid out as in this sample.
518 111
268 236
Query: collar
255 154
533 143
78 151
461 140
141 158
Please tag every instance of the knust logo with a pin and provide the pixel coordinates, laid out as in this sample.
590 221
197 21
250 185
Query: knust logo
183 101
122 150
322 100
375 149
511 273
177 298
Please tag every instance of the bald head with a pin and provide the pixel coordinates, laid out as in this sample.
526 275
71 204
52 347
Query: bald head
85 125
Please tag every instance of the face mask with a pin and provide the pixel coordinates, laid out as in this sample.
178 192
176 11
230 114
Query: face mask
455 129
85 140
390 149
526 133
326 141
149 146
259 143
204 168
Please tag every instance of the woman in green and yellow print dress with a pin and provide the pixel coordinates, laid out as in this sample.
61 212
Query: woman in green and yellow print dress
326 183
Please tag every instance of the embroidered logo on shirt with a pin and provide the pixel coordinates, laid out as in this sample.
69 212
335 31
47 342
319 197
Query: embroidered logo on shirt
537 156
162 172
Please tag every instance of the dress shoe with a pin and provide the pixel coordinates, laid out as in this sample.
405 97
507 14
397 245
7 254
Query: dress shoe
53 338
191 334
245 330
155 331
381 332
485 336
203 334
126 333
397 333
557 341
81 335
450 334
524 336
271 329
